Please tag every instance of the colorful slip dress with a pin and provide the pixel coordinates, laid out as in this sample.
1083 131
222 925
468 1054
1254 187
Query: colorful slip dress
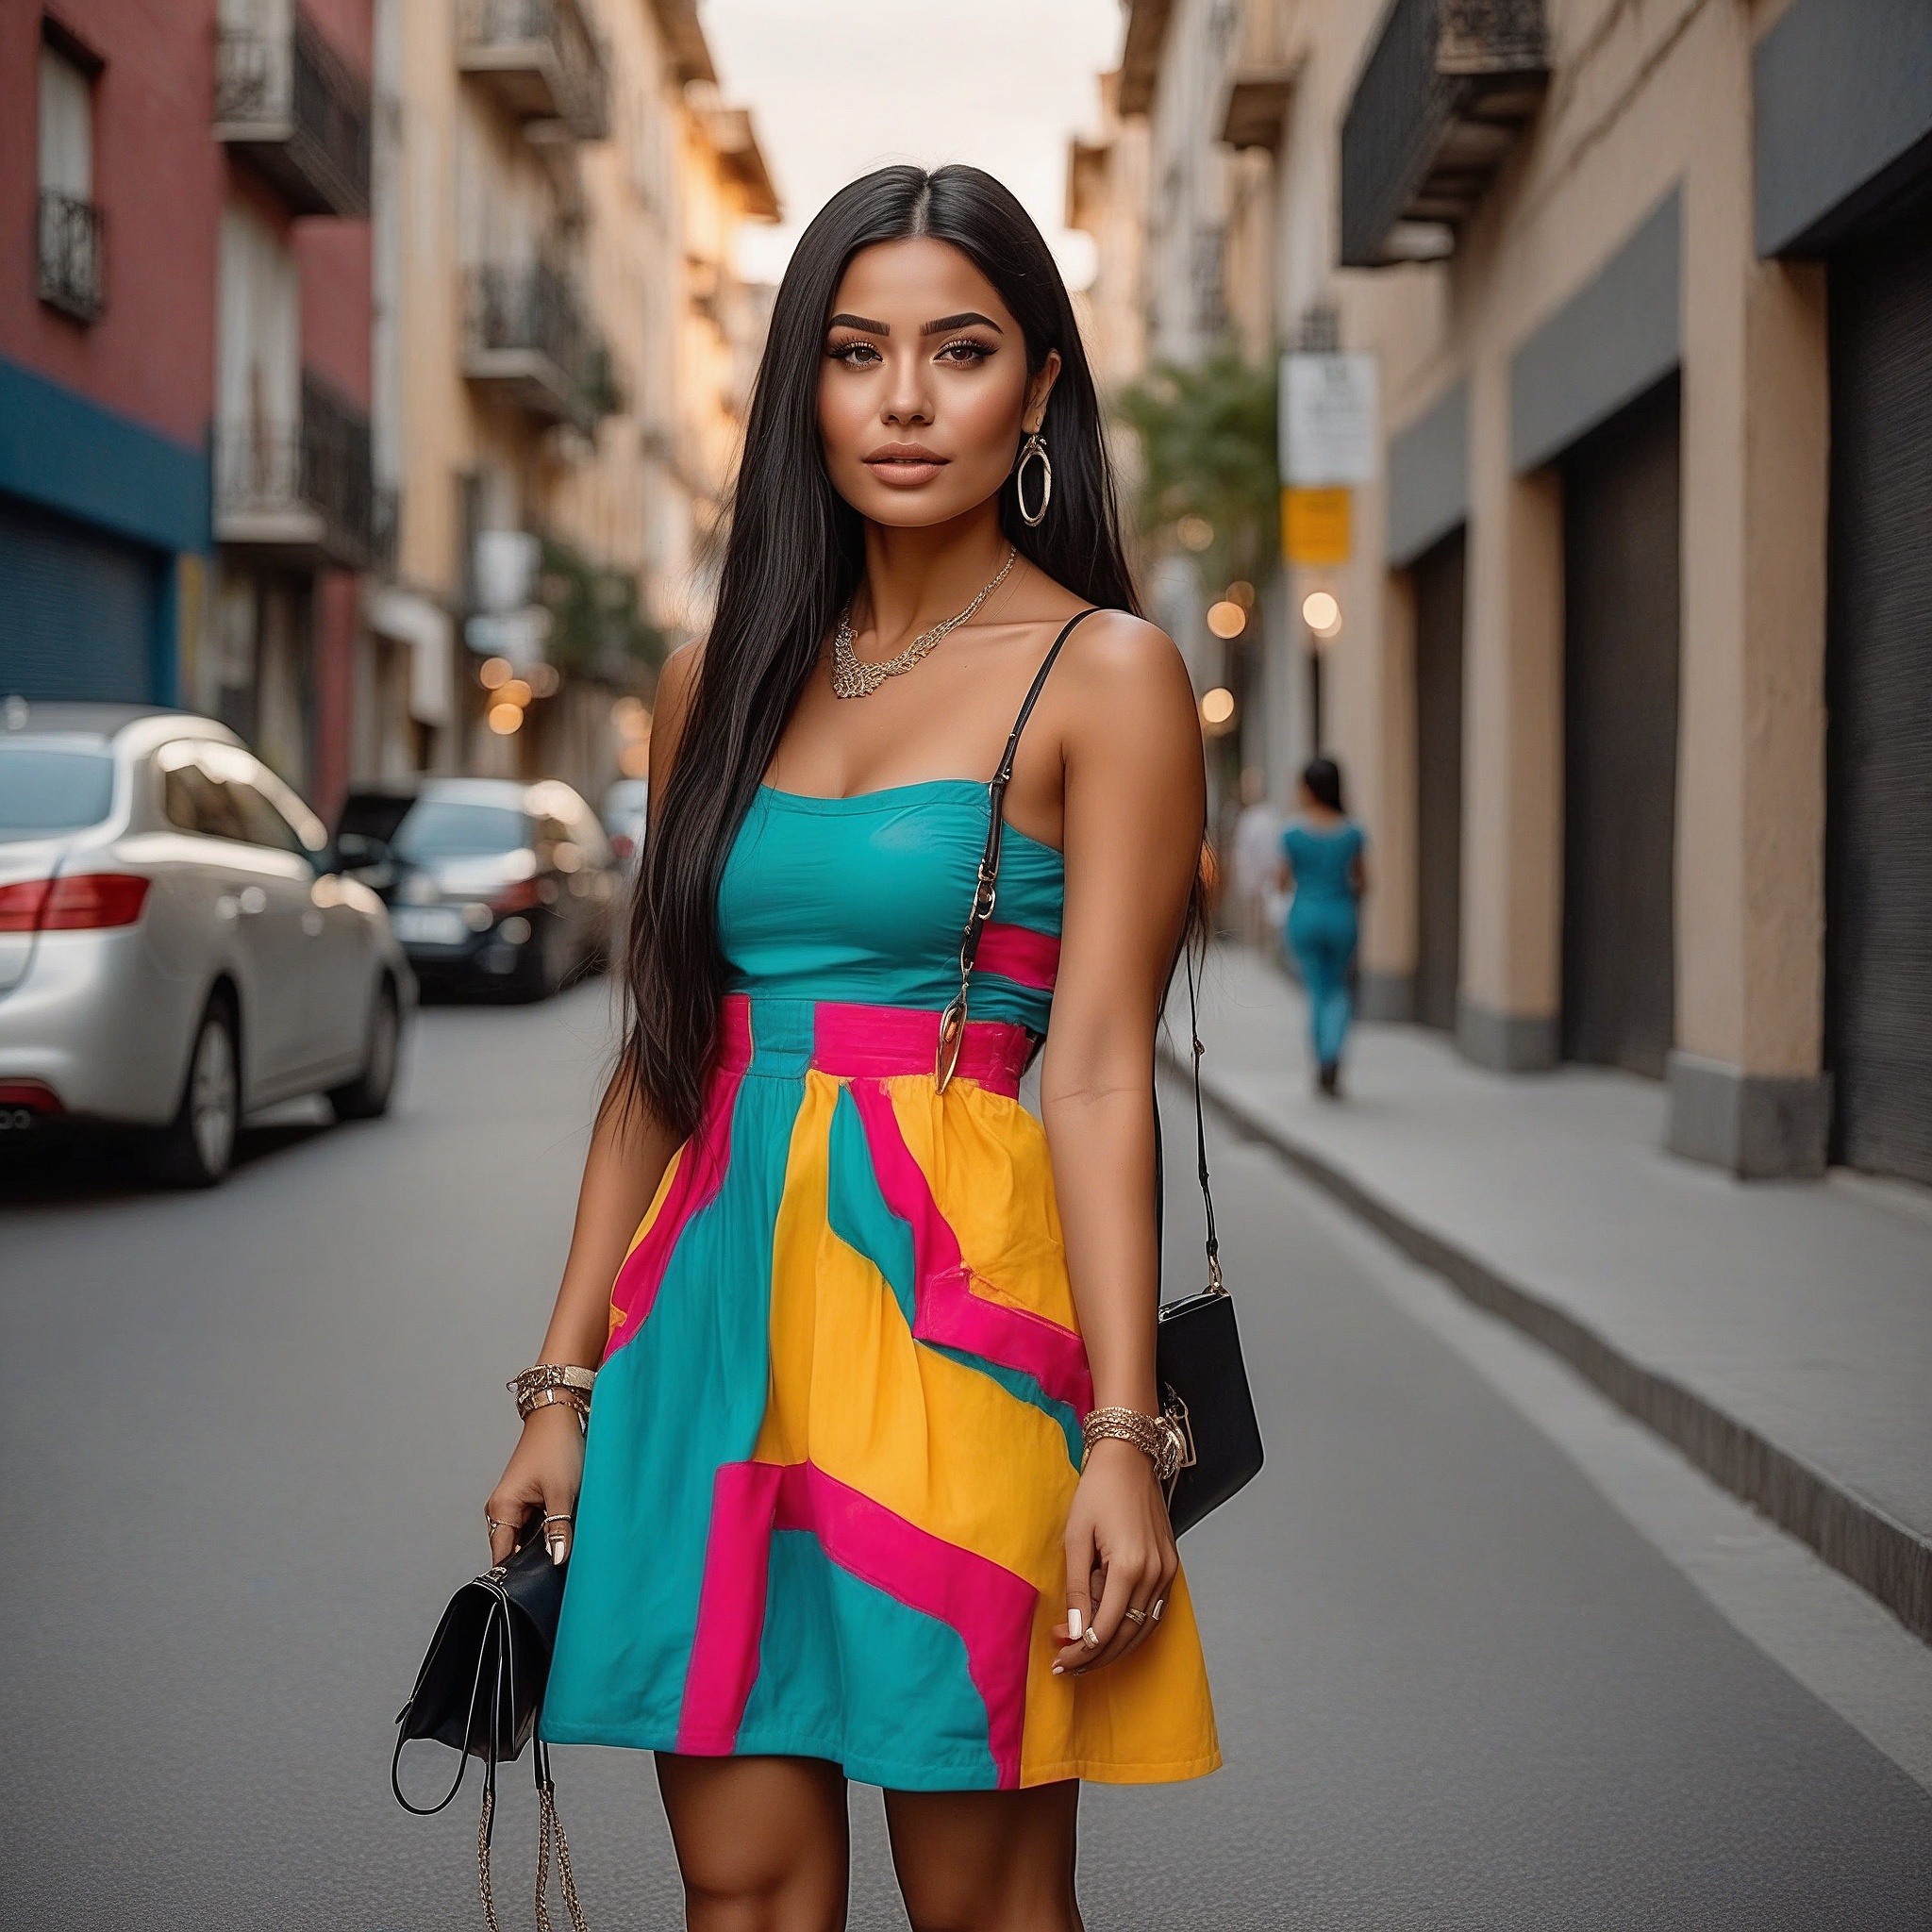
837 1430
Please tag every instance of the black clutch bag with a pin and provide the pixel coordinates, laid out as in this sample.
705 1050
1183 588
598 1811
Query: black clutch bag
480 1691
1197 1355
1204 1382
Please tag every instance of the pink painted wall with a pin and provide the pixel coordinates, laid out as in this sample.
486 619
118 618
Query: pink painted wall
159 175
335 255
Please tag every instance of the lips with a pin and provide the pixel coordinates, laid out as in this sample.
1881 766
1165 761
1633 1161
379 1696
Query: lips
904 465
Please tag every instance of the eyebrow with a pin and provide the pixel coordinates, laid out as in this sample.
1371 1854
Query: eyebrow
866 325
960 321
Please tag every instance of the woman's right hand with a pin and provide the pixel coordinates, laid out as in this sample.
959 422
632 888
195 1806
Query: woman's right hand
540 1480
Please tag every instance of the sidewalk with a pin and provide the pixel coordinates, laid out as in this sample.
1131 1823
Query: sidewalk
1778 1333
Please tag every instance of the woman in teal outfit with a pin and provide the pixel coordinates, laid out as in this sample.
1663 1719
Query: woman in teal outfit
1321 860
869 1488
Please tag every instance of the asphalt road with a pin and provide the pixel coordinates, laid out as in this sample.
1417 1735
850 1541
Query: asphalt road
246 1436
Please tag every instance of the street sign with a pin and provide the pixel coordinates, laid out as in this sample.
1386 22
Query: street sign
1315 526
1328 430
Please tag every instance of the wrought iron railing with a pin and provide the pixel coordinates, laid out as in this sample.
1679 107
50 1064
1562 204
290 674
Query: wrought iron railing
289 89
533 308
69 255
1435 63
319 467
558 26
536 309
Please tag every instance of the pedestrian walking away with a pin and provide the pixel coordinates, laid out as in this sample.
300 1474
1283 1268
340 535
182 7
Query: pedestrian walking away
869 1483
1322 864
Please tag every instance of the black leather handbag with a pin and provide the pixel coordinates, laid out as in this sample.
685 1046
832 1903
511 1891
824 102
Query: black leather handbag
1197 1361
1197 1350
480 1691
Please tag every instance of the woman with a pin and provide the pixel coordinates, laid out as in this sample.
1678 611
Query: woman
836 1517
1321 863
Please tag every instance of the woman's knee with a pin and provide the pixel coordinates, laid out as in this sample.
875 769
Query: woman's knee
761 1843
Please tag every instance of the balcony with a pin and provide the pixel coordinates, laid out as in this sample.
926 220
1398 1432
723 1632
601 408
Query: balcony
540 58
69 255
288 102
301 493
1446 89
528 341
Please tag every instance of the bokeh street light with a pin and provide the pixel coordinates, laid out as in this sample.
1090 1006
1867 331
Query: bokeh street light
1321 613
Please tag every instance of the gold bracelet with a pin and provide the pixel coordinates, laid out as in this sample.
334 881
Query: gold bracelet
571 1399
551 1376
1157 1437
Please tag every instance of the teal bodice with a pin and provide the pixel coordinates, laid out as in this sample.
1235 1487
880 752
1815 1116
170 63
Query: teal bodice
863 899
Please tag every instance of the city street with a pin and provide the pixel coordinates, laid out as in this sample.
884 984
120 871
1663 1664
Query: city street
248 1433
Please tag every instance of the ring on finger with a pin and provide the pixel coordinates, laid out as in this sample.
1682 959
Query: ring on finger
495 1526
1137 1616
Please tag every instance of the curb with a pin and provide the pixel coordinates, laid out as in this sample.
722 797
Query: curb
1885 1557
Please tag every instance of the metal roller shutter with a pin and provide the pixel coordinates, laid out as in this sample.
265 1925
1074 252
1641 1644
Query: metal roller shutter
1439 597
1622 491
79 612
1878 945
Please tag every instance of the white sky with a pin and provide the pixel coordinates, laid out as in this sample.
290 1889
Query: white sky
836 87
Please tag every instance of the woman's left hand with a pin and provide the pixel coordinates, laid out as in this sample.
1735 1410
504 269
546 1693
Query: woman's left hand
1120 1558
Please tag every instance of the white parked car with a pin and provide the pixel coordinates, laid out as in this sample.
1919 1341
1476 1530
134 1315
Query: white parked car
176 949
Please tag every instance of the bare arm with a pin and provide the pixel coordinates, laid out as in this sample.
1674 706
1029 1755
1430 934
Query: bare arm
629 1152
1134 813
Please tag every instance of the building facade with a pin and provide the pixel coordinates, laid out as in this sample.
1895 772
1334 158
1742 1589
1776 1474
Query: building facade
566 197
186 501
113 192
1631 676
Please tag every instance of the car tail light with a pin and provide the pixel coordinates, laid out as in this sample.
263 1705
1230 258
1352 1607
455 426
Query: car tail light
517 898
85 902
19 905
36 1096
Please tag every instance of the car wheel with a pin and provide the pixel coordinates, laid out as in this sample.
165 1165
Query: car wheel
367 1096
196 1148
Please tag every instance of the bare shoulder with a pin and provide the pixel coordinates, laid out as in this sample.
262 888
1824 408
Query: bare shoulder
675 682
1125 676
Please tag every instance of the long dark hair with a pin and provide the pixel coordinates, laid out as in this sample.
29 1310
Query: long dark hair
795 559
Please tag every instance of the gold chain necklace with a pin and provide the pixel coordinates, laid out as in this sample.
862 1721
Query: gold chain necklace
853 677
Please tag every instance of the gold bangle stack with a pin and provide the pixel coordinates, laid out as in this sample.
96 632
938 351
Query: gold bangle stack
550 1383
1157 1437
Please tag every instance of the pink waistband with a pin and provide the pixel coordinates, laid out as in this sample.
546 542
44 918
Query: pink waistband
875 1042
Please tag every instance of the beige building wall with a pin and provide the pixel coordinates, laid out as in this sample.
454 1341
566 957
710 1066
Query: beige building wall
643 219
1643 101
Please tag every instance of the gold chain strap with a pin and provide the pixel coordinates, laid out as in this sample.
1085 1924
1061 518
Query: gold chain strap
549 1827
483 1859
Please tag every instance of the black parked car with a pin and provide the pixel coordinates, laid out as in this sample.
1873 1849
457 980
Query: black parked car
491 884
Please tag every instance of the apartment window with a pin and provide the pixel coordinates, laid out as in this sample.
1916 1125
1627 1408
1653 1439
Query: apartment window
69 232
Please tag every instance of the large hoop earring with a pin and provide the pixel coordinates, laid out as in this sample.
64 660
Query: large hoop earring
1035 445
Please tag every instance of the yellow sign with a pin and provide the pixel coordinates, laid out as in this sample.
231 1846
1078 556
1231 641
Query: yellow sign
1315 526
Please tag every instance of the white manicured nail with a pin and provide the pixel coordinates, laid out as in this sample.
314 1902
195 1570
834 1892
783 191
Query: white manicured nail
1059 1670
1074 1625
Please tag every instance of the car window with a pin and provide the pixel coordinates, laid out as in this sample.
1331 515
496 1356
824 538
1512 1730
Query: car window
44 790
196 801
262 824
454 829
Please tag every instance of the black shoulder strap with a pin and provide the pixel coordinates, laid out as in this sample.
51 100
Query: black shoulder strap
986 886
